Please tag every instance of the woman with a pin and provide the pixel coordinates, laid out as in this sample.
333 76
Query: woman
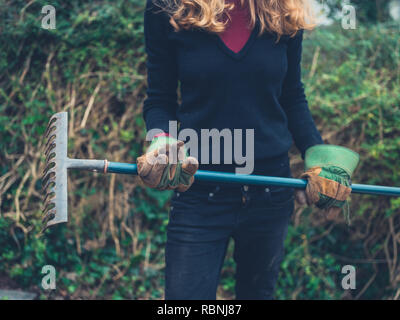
238 66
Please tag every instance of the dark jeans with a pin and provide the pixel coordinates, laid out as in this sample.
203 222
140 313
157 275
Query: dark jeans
203 219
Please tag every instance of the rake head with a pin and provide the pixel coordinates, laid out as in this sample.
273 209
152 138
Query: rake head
57 163
54 181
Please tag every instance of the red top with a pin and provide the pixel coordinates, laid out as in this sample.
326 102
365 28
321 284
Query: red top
237 31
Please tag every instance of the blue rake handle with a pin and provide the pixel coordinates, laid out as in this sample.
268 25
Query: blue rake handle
213 176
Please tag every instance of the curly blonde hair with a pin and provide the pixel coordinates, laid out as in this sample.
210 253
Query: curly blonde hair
283 17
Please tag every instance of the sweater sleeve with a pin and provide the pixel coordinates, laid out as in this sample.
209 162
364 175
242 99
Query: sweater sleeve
293 100
161 102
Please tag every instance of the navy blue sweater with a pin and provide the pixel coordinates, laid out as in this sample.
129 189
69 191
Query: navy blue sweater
257 88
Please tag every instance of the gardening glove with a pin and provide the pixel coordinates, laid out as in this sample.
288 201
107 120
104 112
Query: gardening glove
328 171
166 166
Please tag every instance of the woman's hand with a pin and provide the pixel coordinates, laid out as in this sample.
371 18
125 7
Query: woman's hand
166 165
328 171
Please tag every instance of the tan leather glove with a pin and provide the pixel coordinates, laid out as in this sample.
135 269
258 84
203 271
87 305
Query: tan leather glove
166 166
328 171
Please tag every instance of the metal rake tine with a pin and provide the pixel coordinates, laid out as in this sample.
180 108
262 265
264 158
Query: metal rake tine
50 144
49 206
50 182
48 167
50 196
49 130
47 217
51 123
46 178
50 155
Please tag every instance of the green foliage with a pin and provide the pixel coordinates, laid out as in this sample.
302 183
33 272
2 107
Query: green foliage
113 245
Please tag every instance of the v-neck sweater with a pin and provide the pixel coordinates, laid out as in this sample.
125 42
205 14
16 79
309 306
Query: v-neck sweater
258 88
237 31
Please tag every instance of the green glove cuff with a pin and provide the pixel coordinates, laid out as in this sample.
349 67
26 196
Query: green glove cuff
327 155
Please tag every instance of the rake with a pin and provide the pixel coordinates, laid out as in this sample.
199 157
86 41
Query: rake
57 163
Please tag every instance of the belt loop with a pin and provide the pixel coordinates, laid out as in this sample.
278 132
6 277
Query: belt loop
245 195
